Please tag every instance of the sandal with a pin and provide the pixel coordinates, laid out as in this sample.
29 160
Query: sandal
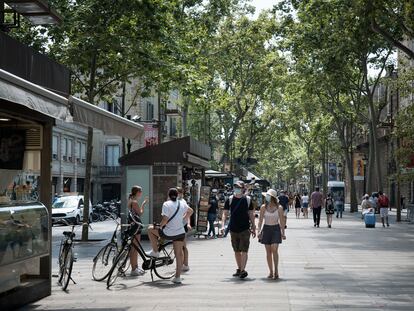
276 276
270 276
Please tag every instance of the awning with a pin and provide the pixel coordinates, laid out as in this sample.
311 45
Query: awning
23 92
213 173
109 123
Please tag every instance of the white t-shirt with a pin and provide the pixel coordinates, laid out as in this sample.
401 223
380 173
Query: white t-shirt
305 199
184 202
175 226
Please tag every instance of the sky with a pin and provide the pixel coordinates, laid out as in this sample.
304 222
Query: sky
263 4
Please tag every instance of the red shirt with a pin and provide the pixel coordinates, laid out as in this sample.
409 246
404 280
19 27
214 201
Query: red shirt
316 199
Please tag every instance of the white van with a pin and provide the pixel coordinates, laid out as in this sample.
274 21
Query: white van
69 208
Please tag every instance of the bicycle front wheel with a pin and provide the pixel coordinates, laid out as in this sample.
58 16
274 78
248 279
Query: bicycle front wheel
165 264
66 267
102 263
118 267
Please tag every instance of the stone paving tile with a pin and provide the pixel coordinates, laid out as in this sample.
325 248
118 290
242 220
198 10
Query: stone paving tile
347 267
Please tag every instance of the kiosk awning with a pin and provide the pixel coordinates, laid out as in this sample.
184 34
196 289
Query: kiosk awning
23 92
103 120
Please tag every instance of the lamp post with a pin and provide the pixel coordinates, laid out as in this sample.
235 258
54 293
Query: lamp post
365 161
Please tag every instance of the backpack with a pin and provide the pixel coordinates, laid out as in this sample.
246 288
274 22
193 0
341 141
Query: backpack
329 204
383 201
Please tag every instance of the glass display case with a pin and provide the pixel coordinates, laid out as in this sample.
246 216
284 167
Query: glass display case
24 239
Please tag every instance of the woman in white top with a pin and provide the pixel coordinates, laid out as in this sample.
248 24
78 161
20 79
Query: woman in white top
273 230
171 228
305 204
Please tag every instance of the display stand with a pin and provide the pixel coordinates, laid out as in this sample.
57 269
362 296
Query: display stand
202 212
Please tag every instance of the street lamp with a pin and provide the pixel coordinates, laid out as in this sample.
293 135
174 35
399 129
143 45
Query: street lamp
365 161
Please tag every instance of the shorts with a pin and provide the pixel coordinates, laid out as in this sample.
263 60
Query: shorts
240 241
305 205
179 238
384 211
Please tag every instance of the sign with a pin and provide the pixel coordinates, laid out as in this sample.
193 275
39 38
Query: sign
151 134
332 171
358 167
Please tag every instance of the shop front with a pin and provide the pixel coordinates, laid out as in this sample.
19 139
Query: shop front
181 162
28 113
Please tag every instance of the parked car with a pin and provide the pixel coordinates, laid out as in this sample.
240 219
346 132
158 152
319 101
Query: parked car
69 208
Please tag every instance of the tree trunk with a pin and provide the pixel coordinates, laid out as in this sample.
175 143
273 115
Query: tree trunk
376 155
123 115
324 170
86 194
371 164
88 168
352 187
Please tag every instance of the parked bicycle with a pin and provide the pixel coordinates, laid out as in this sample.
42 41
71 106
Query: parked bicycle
102 263
66 258
163 266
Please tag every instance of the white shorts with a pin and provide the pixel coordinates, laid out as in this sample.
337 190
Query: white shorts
384 211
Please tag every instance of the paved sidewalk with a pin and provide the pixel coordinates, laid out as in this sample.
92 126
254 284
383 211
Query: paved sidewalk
347 267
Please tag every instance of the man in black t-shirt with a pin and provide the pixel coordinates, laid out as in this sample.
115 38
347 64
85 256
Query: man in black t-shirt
242 224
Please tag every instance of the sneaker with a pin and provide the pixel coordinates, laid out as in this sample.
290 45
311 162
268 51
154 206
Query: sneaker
237 274
388 225
176 280
314 225
185 268
151 253
243 274
329 226
317 226
137 272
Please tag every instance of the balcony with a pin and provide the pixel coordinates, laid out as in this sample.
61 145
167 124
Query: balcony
109 171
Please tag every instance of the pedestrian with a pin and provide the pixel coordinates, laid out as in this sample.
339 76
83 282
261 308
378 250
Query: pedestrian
212 214
329 209
366 205
339 204
291 198
272 232
305 204
316 206
298 204
384 204
187 227
284 201
171 228
242 225
135 212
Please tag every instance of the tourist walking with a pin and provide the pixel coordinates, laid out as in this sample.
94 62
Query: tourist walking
316 206
298 204
284 201
272 232
384 204
329 209
135 212
339 205
242 225
305 205
187 227
171 228
212 214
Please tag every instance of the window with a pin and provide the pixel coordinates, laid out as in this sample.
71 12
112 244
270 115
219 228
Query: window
83 152
55 144
70 150
65 149
78 151
112 155
150 111
173 127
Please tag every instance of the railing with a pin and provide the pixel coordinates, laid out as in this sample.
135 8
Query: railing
109 171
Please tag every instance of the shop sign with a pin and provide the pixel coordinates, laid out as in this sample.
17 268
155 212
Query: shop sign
151 134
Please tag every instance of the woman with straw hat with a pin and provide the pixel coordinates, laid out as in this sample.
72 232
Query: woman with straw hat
273 231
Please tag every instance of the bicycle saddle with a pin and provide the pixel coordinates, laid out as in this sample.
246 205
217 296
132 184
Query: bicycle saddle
69 234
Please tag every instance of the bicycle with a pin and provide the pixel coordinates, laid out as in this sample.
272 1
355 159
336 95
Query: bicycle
66 259
102 262
163 266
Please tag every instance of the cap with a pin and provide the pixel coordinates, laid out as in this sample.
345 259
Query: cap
270 192
239 184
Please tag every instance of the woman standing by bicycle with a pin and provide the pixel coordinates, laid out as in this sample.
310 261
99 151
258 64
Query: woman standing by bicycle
135 212
273 230
171 228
